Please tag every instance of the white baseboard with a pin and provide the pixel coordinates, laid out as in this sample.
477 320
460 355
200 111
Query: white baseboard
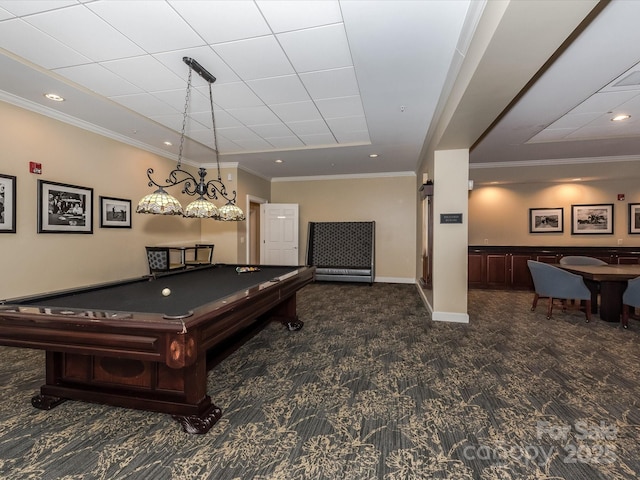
450 317
394 280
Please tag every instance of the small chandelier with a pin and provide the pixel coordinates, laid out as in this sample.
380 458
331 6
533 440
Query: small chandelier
162 203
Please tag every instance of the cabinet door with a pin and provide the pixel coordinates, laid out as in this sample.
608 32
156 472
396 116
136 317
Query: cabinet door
497 271
627 260
520 274
477 275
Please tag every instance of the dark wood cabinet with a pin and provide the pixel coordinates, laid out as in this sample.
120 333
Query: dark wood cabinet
505 268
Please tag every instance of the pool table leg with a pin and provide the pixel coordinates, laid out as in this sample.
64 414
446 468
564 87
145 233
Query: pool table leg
46 402
286 314
199 423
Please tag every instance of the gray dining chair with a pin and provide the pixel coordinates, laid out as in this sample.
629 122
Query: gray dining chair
630 300
581 260
557 284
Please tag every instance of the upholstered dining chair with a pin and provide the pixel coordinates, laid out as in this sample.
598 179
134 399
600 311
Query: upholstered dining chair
581 260
203 255
159 260
557 284
630 300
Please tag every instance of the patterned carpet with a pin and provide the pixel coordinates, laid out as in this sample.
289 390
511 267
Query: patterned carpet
370 388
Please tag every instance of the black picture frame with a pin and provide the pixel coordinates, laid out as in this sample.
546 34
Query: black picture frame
7 203
546 220
634 218
592 219
64 208
115 212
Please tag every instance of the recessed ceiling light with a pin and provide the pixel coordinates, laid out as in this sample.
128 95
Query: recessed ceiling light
54 97
168 143
576 179
373 155
279 161
619 118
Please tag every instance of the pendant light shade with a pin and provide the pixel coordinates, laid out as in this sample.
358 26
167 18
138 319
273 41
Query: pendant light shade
159 203
201 208
230 213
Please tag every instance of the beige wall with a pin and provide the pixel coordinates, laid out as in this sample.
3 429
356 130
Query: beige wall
33 263
389 201
499 215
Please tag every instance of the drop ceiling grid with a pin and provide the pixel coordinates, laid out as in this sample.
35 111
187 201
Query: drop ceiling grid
134 58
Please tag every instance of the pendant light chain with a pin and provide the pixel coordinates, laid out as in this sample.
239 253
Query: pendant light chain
187 98
215 138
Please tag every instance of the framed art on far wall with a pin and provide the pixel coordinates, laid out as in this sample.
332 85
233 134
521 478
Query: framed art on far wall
592 219
546 220
634 218
7 204
64 208
115 212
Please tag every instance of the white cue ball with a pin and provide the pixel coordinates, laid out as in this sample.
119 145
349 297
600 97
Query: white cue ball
166 292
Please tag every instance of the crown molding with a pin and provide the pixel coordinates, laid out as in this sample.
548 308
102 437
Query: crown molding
555 161
344 177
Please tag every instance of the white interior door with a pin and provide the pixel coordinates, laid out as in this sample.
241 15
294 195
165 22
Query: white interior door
279 234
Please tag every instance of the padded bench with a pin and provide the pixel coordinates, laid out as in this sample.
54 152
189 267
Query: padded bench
342 251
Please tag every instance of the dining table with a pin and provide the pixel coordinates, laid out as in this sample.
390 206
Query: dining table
608 281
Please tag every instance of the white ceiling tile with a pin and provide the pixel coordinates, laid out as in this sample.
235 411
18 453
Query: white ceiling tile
574 120
320 48
285 89
296 112
603 102
347 124
272 130
176 98
254 115
340 82
234 95
223 119
255 144
4 14
340 107
206 57
70 26
98 79
353 137
285 142
318 139
153 25
145 104
237 133
223 21
22 7
174 122
284 16
313 127
255 58
227 146
41 49
550 135
147 73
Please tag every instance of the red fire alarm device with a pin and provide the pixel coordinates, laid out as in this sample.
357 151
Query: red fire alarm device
621 197
35 168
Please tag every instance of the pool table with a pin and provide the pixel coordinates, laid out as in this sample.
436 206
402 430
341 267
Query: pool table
126 344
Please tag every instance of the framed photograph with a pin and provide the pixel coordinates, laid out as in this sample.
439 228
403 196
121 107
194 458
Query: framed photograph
546 220
634 218
592 219
115 212
64 208
7 204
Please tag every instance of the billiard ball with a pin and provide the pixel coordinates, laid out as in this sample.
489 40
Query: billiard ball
166 292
